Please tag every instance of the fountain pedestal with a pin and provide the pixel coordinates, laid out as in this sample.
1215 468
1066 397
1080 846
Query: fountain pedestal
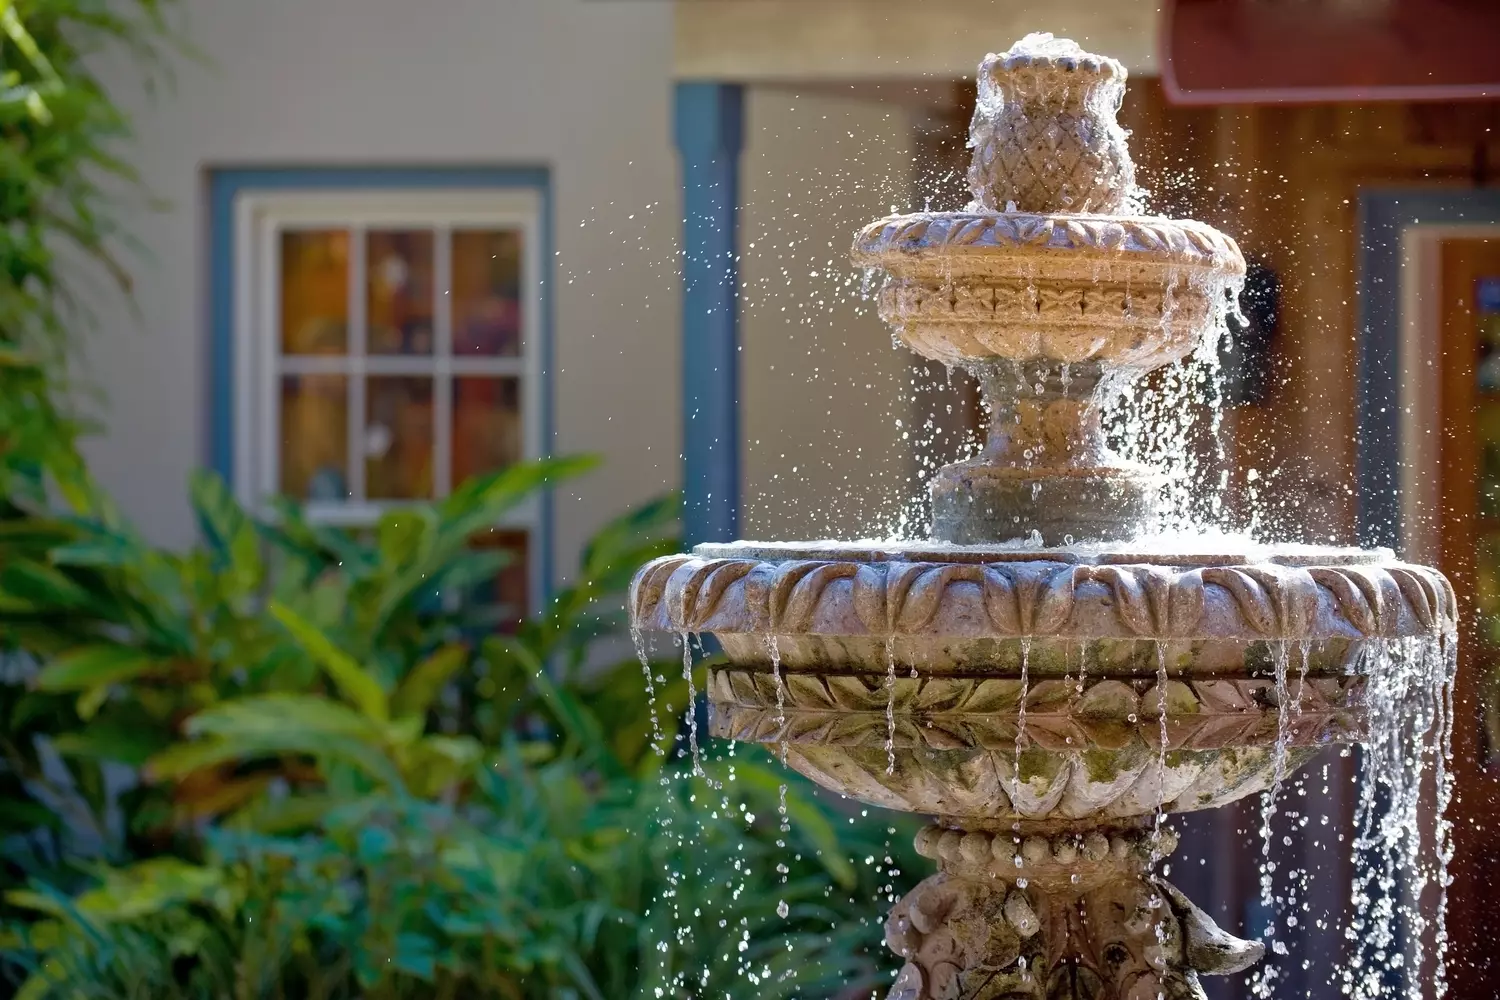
1050 703
1054 911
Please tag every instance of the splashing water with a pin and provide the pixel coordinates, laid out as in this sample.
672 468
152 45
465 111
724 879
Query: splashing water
1172 421
1021 707
692 705
1407 754
773 647
890 705
638 639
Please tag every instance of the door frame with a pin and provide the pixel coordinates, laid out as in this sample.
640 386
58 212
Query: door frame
1397 401
1399 417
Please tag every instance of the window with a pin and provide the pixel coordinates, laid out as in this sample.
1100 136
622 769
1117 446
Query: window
387 346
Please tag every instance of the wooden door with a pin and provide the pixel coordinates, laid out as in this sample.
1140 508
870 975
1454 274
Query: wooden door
1470 556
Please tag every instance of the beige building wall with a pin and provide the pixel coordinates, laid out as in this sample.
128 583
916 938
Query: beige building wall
584 88
581 87
823 387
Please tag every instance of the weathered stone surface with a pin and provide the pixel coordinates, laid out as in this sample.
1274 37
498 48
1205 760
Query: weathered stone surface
1011 592
1049 705
1119 931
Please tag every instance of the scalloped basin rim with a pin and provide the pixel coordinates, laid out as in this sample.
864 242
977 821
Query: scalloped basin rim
951 594
1154 240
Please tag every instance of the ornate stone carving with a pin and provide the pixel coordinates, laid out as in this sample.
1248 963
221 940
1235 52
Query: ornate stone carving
997 784
1048 702
1077 916
1044 133
999 593
1062 714
1108 321
921 243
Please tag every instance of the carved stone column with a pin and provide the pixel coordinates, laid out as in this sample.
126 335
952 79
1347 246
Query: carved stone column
1050 912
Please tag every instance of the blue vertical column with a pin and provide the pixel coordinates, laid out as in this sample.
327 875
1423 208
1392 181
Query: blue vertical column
709 127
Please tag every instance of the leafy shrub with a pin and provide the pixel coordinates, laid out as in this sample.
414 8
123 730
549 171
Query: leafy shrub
355 787
296 762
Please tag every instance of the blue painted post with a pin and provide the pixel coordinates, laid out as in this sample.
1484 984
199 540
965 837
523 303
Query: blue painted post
709 126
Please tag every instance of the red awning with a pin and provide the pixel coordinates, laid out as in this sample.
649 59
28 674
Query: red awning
1265 51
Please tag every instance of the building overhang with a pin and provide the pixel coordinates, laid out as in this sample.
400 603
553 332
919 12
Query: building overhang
810 41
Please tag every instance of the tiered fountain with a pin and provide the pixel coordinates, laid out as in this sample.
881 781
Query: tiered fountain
1040 677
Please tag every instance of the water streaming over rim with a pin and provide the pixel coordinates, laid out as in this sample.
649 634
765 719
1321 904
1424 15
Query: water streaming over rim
841 606
692 705
638 641
890 705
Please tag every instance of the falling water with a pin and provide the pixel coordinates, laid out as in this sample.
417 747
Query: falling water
890 704
692 705
1021 706
1161 753
638 639
1409 696
1443 774
773 647
1280 652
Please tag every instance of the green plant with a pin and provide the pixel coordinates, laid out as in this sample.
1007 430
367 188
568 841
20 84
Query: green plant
138 646
359 847
59 129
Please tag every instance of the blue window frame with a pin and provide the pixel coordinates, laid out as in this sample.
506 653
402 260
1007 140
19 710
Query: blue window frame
446 213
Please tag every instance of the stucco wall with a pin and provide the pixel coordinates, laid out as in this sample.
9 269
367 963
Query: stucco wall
581 87
823 386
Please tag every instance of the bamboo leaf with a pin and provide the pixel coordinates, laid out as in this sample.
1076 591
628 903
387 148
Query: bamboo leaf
127 741
228 530
421 687
95 666
352 680
187 758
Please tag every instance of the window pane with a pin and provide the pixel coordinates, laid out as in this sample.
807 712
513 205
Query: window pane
314 292
486 424
399 292
487 293
398 438
315 437
508 594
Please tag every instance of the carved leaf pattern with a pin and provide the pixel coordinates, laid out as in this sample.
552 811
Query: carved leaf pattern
1038 598
949 779
1111 713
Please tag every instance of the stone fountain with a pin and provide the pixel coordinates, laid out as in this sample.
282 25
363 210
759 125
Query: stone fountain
1040 678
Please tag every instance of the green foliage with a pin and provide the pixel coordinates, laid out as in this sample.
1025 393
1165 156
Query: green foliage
341 777
355 787
239 640
58 132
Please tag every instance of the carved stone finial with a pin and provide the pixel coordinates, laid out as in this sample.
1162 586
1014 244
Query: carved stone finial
1045 288
1044 133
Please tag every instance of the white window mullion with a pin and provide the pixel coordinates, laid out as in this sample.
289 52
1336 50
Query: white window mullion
357 341
269 333
260 364
442 361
